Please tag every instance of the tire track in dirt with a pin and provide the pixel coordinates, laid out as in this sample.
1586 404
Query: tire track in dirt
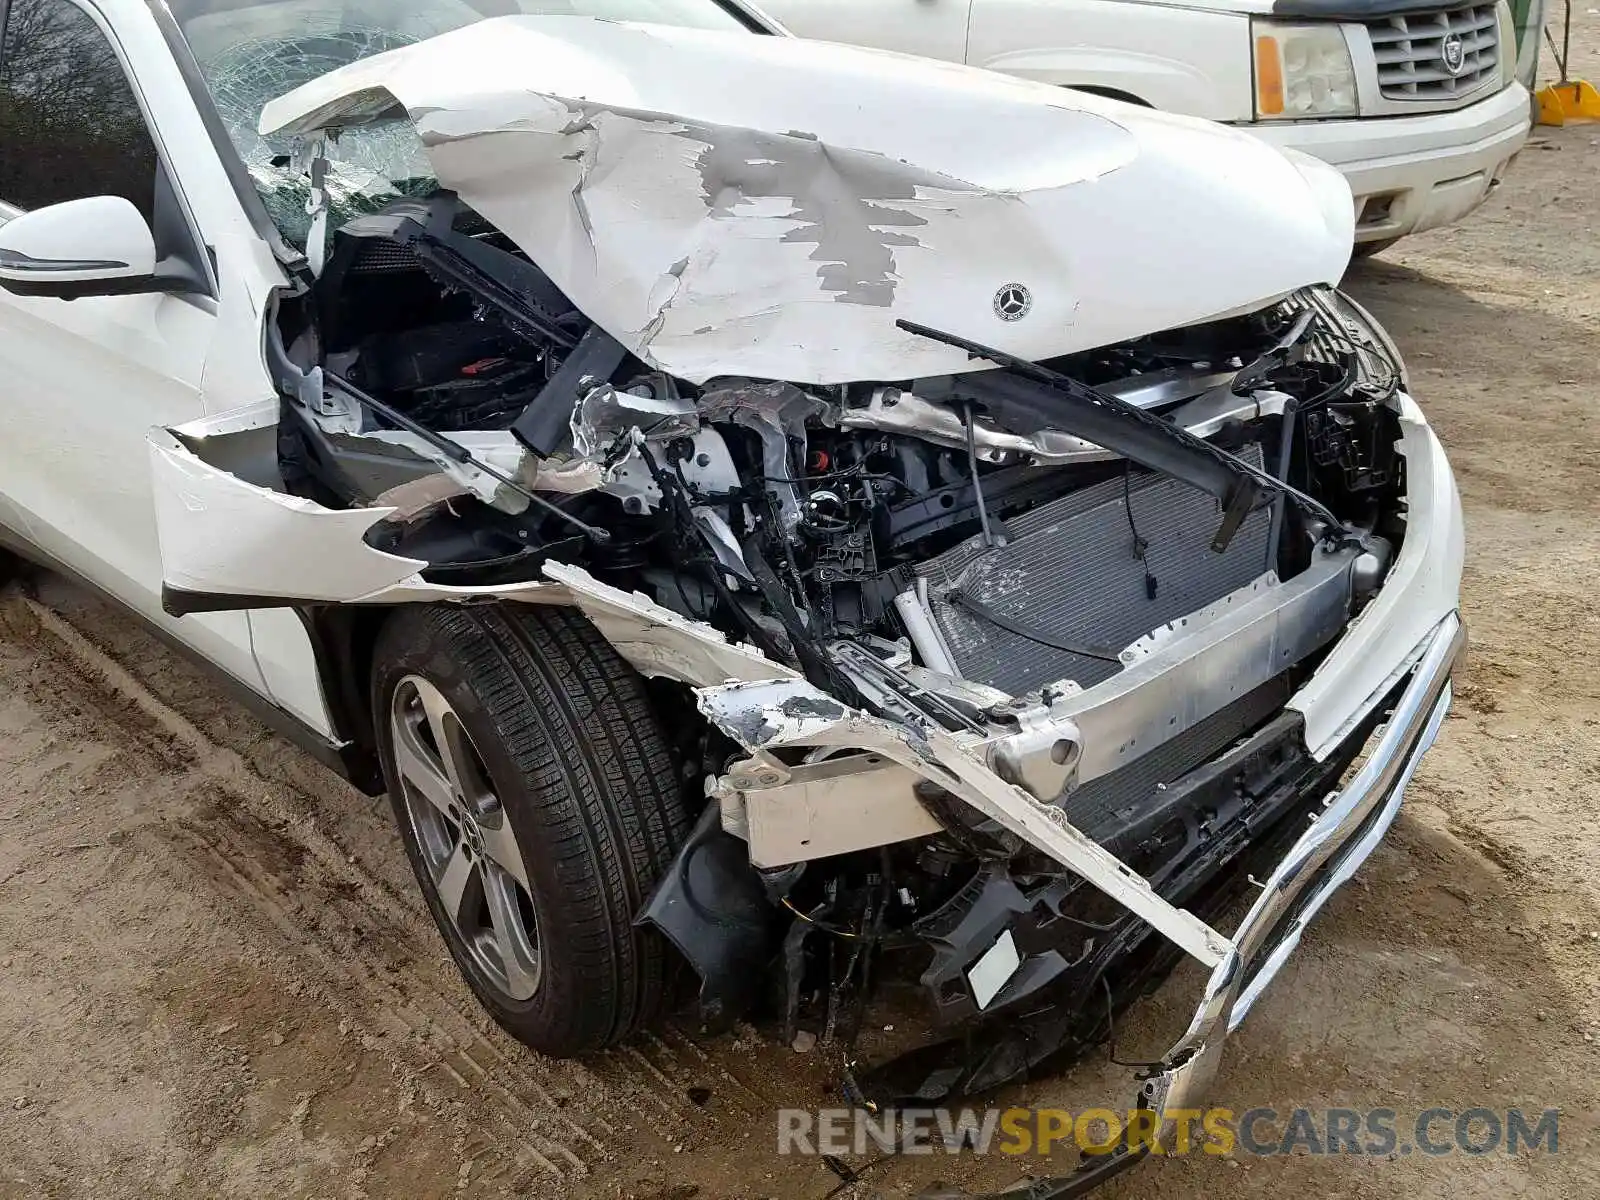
313 913
237 859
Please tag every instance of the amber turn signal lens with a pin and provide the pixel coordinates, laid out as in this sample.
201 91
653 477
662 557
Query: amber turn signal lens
1269 76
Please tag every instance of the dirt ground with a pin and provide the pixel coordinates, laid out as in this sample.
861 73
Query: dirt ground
216 978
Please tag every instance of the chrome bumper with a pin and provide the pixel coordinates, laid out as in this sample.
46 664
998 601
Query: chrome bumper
1327 854
1352 823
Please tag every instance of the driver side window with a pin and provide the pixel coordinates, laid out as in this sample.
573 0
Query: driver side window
70 124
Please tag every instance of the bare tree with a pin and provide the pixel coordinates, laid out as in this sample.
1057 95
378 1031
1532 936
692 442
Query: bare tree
70 125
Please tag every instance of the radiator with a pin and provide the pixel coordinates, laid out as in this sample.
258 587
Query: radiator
1068 572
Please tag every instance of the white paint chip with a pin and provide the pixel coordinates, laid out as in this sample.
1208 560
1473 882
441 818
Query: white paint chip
991 972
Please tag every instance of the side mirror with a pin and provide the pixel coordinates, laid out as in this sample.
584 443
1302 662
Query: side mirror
97 246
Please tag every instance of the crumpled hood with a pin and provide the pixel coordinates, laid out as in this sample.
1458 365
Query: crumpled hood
725 203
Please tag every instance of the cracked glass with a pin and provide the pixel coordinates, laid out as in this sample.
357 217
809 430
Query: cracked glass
249 54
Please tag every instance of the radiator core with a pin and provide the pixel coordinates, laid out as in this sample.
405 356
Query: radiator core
1069 571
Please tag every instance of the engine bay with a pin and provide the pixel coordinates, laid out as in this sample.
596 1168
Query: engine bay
956 522
890 622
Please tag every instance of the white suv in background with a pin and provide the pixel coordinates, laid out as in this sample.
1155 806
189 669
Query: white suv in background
1416 101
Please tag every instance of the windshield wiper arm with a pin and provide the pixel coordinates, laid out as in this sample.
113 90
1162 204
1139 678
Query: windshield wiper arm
1128 430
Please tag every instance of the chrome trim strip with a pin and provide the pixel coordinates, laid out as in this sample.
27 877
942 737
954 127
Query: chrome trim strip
1353 822
1358 853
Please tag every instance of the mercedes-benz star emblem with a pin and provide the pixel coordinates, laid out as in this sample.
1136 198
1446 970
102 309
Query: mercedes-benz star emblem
1012 302
1453 53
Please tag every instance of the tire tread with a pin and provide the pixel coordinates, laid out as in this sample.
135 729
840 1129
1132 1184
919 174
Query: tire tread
577 723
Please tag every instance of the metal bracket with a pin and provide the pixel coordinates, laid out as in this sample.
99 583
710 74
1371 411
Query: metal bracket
311 156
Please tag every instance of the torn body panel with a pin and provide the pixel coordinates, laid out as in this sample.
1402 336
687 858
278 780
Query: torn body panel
767 548
725 204
659 642
226 539
820 778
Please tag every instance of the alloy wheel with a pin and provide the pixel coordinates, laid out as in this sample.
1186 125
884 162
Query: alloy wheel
467 844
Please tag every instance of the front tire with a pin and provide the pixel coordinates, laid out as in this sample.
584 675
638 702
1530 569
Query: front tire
539 805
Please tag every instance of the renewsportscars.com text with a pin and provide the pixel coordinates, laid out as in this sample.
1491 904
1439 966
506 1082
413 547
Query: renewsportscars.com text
1263 1132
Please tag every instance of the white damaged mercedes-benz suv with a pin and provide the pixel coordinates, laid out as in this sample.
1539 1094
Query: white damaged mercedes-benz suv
771 515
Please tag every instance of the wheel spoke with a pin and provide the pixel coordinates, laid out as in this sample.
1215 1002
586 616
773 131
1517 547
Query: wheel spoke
500 845
447 734
420 768
457 895
518 958
473 860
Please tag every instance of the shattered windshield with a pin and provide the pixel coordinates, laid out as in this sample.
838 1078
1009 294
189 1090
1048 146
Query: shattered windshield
250 53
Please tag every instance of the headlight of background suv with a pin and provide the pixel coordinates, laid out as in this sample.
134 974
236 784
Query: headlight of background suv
1302 71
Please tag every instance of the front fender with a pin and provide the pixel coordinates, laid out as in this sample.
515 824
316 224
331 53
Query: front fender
1176 60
